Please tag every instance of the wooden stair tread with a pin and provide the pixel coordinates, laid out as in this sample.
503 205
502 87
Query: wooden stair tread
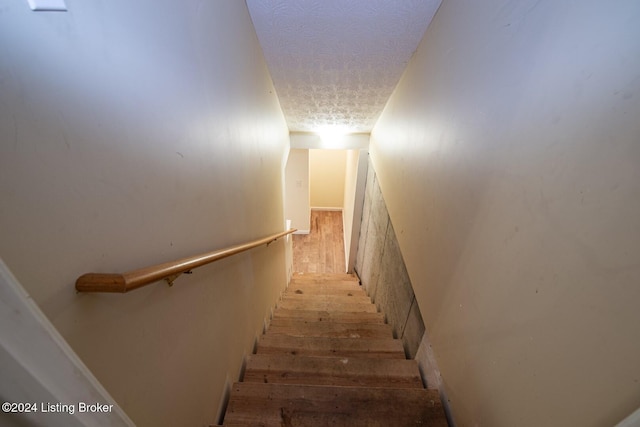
328 346
327 306
341 371
326 290
328 316
319 284
325 277
329 284
330 299
281 404
330 329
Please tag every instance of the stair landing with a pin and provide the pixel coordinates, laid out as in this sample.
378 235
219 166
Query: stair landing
328 358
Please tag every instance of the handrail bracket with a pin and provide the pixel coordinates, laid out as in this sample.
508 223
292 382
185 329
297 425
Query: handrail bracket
173 277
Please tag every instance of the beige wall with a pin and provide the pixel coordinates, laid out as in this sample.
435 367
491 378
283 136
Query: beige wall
509 159
327 178
131 134
297 207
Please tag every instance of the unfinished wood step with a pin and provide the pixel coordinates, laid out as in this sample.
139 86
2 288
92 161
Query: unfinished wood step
329 329
328 316
325 290
327 283
331 299
319 305
326 346
325 276
334 284
303 405
342 371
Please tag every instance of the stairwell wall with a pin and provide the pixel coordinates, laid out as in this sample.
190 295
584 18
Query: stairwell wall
508 158
133 134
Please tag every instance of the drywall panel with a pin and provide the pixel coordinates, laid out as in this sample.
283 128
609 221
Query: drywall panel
133 134
355 182
508 156
327 170
297 202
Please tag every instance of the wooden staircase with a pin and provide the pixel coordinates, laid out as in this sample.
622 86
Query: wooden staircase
329 359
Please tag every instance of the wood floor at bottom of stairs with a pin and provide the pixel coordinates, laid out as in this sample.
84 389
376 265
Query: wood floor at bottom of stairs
255 404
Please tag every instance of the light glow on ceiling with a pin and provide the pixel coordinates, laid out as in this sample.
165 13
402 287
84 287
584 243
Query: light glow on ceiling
332 137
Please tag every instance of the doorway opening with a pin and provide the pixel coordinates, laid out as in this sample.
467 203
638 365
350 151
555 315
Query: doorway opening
324 190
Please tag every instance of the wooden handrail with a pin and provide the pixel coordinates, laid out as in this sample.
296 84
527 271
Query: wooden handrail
125 282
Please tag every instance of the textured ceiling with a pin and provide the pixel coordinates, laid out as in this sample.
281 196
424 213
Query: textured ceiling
334 63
